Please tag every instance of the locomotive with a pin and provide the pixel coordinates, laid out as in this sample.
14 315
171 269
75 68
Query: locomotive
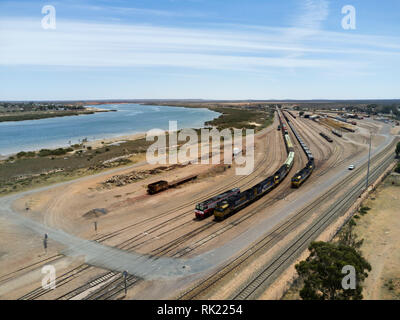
301 176
206 208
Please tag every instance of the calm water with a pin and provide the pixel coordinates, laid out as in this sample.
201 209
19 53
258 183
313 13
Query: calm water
130 118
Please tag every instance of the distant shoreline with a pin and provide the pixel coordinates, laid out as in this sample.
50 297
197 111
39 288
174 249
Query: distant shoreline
39 115
93 143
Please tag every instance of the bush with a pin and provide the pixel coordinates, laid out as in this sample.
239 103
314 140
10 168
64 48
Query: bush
25 154
364 210
397 168
56 152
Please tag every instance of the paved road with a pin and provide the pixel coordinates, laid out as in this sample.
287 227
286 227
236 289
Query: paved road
146 267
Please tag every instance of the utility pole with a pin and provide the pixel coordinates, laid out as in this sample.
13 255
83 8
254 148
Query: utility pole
369 159
45 242
125 275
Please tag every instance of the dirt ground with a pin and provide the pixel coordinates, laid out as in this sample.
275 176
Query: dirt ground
164 224
379 228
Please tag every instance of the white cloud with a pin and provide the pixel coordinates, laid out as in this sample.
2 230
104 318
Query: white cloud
80 44
314 13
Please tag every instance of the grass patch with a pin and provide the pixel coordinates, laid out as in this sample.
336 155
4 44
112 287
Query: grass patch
51 166
364 210
241 118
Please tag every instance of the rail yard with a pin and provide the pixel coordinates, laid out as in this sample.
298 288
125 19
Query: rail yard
195 231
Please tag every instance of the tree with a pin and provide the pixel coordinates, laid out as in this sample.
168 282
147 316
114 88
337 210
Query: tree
398 150
347 237
322 273
397 169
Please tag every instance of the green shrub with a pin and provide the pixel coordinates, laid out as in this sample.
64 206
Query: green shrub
56 152
23 154
364 210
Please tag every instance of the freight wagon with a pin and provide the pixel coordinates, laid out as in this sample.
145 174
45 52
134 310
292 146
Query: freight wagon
157 187
291 114
327 138
289 144
336 133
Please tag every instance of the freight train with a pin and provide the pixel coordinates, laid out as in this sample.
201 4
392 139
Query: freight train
336 133
301 176
327 138
236 202
291 114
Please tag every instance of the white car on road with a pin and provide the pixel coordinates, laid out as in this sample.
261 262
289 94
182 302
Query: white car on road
352 167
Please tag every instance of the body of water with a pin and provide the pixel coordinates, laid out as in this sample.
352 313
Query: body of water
129 119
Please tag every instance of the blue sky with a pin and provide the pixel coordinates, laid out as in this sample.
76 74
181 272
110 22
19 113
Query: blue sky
210 49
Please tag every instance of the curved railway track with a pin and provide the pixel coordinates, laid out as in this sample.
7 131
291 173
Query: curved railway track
113 288
236 183
272 238
330 165
67 277
129 244
257 285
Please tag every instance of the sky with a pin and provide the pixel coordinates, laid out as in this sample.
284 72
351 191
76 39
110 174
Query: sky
199 49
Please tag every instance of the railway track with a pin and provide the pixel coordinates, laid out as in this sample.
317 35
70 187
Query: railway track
113 289
258 284
160 251
168 247
29 267
128 243
253 176
273 237
310 140
337 162
61 280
